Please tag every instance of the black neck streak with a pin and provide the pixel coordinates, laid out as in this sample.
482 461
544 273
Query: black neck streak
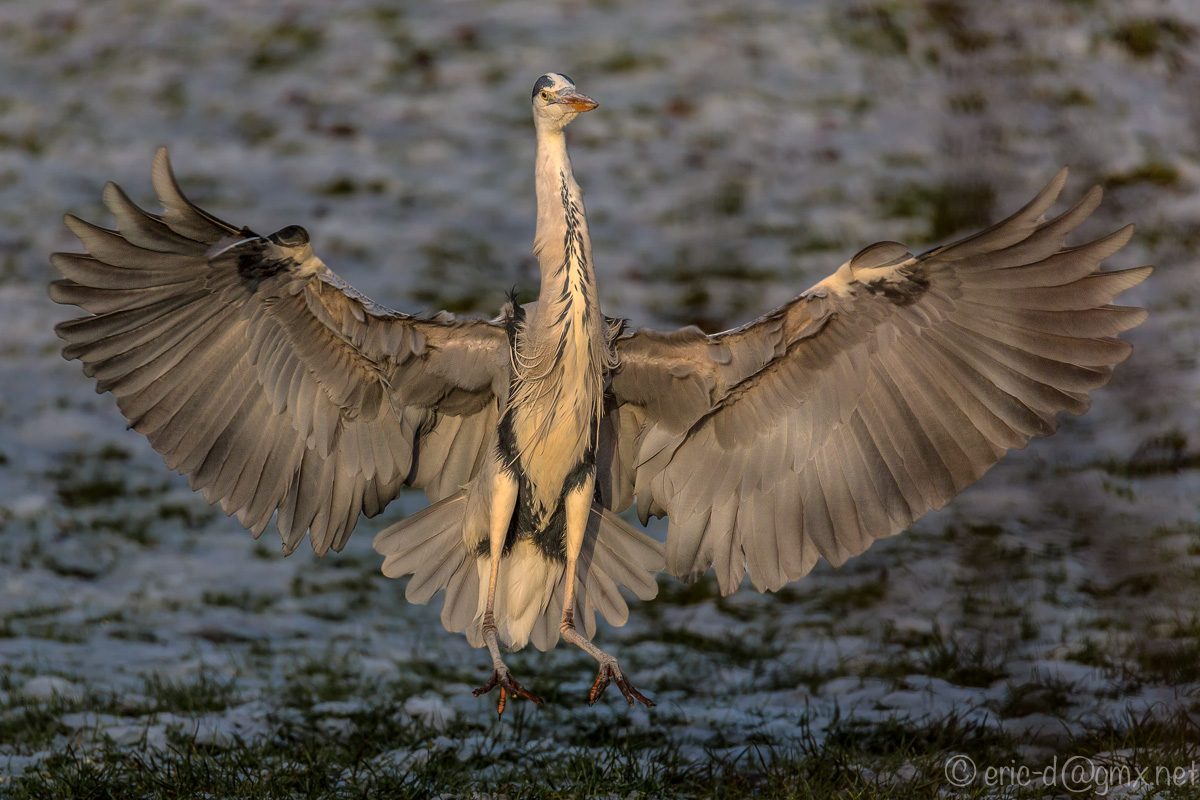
576 277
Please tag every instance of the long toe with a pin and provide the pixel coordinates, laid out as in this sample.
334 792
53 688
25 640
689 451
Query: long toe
602 681
610 672
508 685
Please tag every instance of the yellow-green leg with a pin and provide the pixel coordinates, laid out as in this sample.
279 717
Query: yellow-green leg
504 500
578 507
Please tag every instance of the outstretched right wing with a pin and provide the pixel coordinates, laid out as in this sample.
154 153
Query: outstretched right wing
873 397
267 380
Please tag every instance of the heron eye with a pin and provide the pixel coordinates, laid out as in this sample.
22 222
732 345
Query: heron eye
545 95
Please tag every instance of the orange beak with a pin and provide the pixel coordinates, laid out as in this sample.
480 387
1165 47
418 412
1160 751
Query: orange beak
576 101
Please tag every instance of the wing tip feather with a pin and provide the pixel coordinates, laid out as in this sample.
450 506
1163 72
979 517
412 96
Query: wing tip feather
1047 196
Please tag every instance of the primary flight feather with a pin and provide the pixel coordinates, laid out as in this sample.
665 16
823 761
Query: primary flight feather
838 419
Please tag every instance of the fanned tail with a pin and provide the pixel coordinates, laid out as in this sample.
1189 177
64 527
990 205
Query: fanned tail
431 547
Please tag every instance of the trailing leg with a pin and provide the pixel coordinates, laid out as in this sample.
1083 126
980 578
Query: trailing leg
504 499
578 507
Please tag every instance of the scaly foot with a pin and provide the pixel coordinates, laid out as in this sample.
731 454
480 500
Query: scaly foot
610 671
502 678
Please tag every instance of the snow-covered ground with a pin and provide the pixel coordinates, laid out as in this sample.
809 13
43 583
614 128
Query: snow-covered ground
740 152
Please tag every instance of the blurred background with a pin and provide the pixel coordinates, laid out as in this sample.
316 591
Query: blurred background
739 154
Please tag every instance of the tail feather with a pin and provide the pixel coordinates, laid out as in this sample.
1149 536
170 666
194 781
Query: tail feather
429 546
459 607
397 542
630 557
524 590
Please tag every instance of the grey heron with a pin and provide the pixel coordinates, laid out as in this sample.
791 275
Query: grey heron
837 419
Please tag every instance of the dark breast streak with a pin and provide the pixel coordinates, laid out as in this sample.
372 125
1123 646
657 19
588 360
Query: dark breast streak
530 520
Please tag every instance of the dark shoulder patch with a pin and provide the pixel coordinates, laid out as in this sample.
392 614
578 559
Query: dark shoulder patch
254 267
903 286
901 293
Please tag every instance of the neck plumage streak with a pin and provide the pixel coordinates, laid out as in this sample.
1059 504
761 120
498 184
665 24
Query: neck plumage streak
556 405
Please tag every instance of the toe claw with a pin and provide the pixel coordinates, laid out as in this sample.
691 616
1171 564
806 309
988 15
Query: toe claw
611 673
632 694
487 687
508 686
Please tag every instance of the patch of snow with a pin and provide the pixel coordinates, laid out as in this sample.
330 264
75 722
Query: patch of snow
431 710
16 766
51 687
337 708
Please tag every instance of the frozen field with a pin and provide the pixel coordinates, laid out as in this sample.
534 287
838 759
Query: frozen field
150 645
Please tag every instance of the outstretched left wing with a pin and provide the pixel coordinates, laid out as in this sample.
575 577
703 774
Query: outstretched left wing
266 379
875 396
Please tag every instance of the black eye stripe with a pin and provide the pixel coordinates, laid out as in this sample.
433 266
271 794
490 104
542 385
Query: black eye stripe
544 83
548 82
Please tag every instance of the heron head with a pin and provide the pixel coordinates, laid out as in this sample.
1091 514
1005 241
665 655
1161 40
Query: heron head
556 100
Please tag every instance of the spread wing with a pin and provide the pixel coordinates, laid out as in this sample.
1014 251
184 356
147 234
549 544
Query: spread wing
875 396
266 379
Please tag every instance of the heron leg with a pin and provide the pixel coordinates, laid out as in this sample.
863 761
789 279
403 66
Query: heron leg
504 500
578 507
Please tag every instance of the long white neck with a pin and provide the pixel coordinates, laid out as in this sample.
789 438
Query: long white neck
562 243
561 357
